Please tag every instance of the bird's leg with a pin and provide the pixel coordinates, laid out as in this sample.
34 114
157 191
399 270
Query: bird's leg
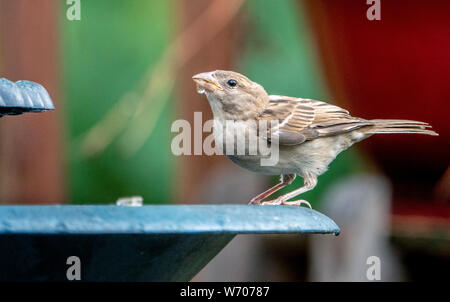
310 181
286 179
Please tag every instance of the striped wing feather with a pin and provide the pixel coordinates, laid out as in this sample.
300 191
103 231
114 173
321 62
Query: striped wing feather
300 120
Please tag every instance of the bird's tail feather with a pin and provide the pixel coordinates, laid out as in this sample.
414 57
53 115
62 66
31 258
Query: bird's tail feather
399 126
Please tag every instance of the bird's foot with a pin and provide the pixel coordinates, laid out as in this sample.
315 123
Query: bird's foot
255 201
281 201
274 202
297 203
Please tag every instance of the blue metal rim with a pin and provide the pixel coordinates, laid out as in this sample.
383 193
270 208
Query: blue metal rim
163 219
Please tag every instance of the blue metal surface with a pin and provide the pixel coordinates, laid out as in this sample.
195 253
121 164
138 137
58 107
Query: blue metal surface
149 243
23 96
163 219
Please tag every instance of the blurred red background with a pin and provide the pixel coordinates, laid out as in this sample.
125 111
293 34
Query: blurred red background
397 67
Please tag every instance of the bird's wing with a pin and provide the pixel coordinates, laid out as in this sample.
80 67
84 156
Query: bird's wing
300 120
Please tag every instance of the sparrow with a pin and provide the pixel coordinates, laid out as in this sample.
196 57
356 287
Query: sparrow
310 133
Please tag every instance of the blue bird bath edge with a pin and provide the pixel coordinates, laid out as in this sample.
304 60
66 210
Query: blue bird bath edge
147 243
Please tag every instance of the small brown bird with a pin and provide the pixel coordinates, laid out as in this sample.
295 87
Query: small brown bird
310 133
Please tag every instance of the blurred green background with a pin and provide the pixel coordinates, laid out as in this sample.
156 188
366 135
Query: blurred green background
104 56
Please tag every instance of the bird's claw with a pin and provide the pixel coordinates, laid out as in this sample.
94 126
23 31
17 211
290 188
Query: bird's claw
297 203
280 201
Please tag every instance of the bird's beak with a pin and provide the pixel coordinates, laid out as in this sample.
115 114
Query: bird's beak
206 81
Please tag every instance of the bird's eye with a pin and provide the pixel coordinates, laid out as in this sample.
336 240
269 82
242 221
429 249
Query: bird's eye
232 83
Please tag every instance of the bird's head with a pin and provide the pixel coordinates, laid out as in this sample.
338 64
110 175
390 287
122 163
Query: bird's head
232 96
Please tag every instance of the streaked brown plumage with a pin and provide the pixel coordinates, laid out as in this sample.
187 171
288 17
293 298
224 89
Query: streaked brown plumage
304 119
310 133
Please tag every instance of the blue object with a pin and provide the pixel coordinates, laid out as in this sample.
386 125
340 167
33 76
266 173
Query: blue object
23 96
148 243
